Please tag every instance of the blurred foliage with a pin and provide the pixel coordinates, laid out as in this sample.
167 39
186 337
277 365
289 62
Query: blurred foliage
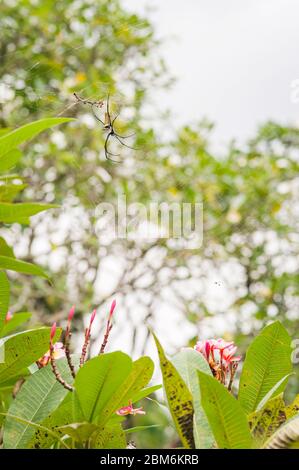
245 272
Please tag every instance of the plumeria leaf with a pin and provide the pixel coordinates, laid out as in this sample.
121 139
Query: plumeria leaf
98 380
268 360
4 297
38 397
61 416
22 349
286 437
10 159
272 392
225 415
112 436
264 422
17 320
146 392
80 432
188 362
141 373
179 399
293 408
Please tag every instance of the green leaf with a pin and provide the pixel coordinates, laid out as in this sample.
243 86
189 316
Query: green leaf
141 373
267 361
272 392
225 415
146 392
5 249
13 139
37 426
179 399
17 320
286 437
111 436
10 159
38 397
8 192
79 432
63 415
293 408
22 349
264 422
98 380
4 297
20 212
12 264
188 362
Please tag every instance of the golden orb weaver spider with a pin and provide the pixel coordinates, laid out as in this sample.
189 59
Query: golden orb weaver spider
108 125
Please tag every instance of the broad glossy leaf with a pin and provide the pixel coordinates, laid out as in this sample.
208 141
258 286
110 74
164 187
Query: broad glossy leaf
13 139
146 392
10 159
267 361
286 437
98 380
12 264
8 192
179 399
263 423
139 376
5 249
293 408
20 212
110 437
79 432
38 397
17 320
61 416
22 349
188 362
4 297
225 415
272 392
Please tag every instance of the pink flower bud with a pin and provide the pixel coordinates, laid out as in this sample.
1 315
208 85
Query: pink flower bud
92 317
113 305
53 331
71 314
8 317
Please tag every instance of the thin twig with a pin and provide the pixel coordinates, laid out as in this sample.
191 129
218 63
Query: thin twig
56 372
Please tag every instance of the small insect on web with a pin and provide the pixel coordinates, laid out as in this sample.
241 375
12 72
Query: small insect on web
108 125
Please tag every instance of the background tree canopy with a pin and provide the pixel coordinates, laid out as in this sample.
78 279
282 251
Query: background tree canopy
246 271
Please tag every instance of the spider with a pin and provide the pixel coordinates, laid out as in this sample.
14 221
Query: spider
108 126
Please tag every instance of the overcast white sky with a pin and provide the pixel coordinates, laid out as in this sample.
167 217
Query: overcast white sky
234 60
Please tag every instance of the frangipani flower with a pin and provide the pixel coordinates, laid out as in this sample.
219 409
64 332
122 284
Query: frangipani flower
129 410
58 353
221 358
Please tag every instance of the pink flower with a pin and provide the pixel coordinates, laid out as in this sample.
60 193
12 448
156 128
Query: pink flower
129 410
229 357
8 317
221 358
205 347
58 353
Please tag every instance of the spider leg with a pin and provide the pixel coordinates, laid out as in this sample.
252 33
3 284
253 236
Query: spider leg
107 152
97 117
125 136
122 143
